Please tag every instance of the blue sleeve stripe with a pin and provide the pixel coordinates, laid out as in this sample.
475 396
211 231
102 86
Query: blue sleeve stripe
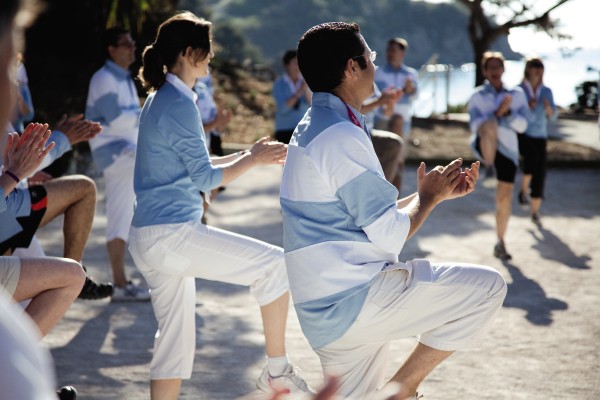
105 109
367 197
308 223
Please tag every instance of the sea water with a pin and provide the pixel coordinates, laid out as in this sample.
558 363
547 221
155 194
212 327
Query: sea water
562 73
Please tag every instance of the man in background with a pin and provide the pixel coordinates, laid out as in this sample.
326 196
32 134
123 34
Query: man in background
113 102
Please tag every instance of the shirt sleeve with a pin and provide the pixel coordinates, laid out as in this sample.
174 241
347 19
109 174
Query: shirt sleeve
181 128
550 97
353 174
103 105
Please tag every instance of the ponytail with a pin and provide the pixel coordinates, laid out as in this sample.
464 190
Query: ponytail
152 73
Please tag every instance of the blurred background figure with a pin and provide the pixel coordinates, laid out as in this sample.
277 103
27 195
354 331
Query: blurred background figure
24 106
533 143
113 102
292 98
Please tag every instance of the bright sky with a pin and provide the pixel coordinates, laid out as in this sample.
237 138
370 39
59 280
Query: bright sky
578 18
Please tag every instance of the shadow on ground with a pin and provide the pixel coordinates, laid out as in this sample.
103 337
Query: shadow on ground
528 295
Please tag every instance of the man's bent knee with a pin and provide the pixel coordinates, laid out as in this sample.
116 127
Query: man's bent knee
74 273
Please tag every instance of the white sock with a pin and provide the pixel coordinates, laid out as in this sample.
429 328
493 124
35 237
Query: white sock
277 365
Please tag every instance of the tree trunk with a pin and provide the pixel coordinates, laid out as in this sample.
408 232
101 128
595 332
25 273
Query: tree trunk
479 47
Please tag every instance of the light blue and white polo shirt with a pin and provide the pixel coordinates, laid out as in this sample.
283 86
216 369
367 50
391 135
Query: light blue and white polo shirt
340 219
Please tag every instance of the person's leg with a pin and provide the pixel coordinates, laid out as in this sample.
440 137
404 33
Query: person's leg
116 256
538 178
506 171
525 182
120 199
488 136
274 317
397 125
448 306
232 258
416 368
52 284
214 254
389 148
503 207
165 389
528 156
75 197
173 301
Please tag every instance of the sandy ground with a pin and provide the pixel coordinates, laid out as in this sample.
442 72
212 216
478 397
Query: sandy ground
544 344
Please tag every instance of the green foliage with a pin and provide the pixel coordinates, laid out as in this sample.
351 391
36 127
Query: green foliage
62 52
587 96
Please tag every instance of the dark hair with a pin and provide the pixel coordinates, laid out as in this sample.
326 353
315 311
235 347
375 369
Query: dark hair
400 42
173 38
533 62
289 56
8 11
491 55
323 52
111 37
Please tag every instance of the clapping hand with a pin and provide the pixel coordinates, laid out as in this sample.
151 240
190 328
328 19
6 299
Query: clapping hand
440 183
504 106
467 181
77 129
23 154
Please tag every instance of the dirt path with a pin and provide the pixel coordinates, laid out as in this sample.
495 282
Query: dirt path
544 344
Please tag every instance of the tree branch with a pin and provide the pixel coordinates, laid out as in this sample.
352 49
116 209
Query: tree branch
504 28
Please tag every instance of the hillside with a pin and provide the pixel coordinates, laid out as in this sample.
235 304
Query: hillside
432 30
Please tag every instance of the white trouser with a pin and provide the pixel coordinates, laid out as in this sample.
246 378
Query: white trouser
10 271
171 256
448 306
120 197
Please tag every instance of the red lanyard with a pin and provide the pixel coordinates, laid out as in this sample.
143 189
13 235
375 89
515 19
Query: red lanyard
355 120
352 116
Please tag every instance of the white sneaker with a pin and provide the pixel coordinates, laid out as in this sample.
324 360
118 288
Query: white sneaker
290 379
131 292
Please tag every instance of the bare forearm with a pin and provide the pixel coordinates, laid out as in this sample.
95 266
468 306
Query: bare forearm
235 168
220 160
406 200
418 209
7 184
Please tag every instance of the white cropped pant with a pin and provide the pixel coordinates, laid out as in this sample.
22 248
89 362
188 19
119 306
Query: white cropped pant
120 197
171 256
447 306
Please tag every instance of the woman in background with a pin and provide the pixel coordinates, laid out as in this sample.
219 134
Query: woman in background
532 144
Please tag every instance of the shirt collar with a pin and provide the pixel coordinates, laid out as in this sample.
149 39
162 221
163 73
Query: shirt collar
331 101
117 69
182 87
529 92
488 87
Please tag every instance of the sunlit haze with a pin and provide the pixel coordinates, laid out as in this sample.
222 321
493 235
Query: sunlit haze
577 18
